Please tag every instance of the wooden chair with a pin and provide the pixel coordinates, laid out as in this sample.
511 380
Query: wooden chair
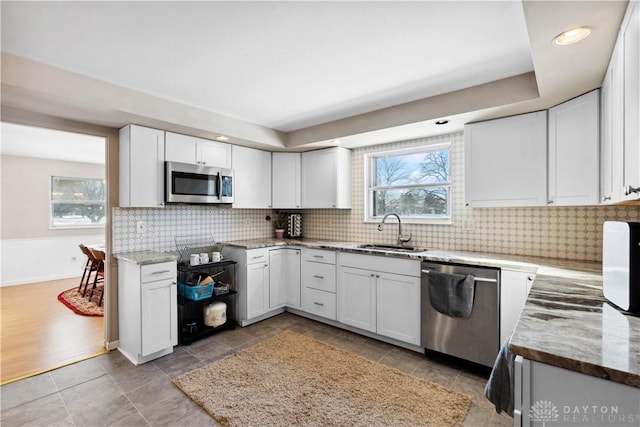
98 259
89 268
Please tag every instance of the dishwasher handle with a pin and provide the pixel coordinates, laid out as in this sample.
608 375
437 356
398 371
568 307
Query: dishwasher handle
477 279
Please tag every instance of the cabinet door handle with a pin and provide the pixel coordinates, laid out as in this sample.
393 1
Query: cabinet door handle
606 198
174 283
318 277
161 272
266 265
318 303
377 276
372 275
257 257
318 256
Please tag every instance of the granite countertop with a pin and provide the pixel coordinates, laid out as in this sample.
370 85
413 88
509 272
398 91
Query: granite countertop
566 321
146 257
484 260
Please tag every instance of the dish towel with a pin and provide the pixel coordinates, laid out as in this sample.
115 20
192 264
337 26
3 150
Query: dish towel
499 388
451 294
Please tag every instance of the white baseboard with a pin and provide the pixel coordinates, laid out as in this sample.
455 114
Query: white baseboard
43 259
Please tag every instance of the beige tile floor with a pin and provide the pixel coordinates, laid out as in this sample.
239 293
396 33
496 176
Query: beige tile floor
108 390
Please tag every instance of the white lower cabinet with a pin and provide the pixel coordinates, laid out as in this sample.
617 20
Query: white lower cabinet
357 298
561 397
284 278
398 307
257 291
385 303
514 288
147 310
252 271
267 281
318 276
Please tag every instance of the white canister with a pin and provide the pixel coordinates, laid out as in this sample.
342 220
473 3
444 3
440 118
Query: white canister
215 314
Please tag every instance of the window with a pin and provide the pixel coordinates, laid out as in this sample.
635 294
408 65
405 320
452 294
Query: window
77 202
415 184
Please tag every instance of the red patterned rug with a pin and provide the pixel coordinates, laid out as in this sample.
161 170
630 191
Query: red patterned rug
81 305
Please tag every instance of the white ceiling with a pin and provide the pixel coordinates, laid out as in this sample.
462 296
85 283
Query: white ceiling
297 67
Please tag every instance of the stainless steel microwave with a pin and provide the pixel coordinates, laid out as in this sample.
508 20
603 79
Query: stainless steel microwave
187 183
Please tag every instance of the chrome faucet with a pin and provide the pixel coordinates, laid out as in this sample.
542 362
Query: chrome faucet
401 239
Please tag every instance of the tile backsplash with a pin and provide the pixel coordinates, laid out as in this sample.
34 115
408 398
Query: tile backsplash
164 224
557 232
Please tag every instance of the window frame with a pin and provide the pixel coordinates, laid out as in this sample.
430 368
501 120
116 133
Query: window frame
53 202
369 179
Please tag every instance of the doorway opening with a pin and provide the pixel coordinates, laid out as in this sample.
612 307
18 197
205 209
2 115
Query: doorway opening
52 199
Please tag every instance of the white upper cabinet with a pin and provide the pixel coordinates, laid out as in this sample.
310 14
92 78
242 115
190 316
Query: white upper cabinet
506 161
199 151
620 151
180 148
286 179
252 178
326 178
611 125
630 35
574 148
215 154
141 167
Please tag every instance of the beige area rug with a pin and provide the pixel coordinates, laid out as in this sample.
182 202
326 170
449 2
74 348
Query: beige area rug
291 379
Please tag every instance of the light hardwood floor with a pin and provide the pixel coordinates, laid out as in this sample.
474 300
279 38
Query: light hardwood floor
38 333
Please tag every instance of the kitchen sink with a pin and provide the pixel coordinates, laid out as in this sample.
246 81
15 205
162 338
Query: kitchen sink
390 248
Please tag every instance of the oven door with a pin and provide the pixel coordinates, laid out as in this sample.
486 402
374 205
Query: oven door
187 183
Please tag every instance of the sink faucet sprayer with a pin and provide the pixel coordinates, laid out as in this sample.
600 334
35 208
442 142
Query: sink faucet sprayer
401 239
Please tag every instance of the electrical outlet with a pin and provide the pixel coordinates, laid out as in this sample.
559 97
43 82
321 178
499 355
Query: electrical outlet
468 224
247 222
141 227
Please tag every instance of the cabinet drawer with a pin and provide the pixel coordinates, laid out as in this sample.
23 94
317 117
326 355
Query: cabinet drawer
320 303
319 255
160 271
319 276
257 255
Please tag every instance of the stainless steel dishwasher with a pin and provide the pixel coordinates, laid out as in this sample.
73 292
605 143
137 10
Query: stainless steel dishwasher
475 338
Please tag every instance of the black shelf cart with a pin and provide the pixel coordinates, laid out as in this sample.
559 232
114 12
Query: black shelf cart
191 325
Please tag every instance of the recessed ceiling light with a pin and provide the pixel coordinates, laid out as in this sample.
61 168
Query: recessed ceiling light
335 141
442 122
221 138
572 36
